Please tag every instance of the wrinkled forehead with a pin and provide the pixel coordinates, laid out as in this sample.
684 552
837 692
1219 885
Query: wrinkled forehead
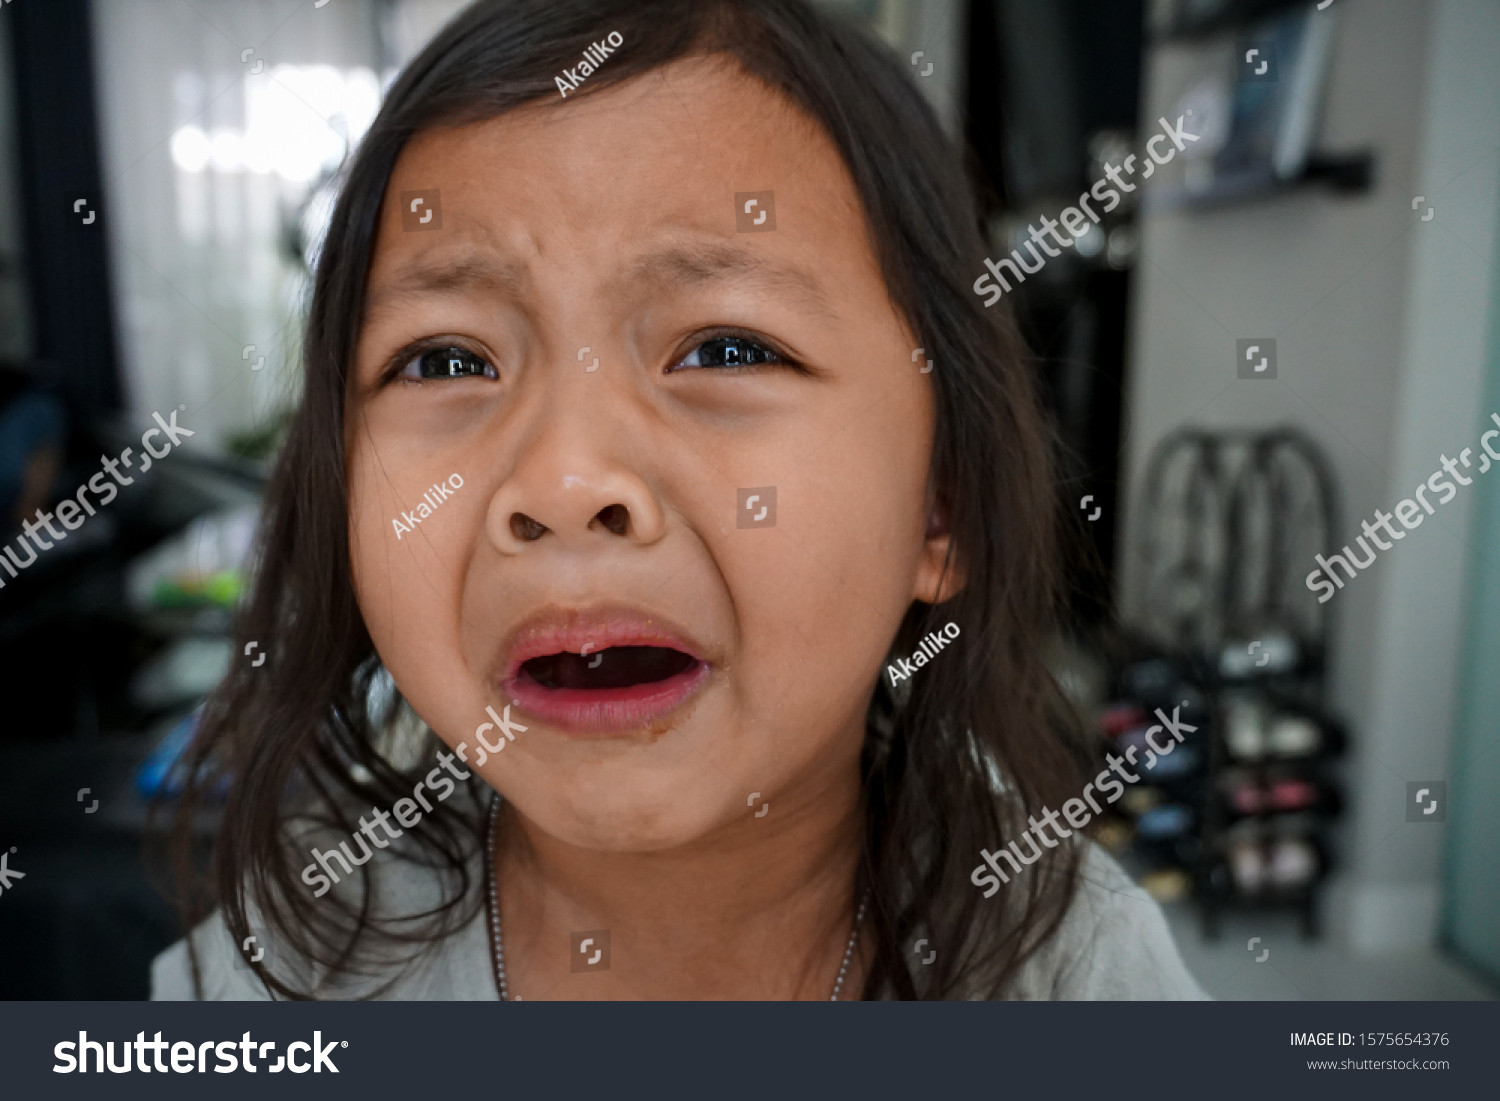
688 172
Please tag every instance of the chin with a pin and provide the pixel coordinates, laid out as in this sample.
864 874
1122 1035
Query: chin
630 812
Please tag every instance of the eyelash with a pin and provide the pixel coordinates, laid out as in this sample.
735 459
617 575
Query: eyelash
701 340
407 356
394 370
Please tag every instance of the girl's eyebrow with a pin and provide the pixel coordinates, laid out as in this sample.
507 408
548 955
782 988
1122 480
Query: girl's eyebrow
680 264
704 261
445 274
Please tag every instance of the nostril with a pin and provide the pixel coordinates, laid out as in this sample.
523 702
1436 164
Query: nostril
526 529
616 518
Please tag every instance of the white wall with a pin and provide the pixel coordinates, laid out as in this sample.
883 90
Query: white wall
1413 684
1381 322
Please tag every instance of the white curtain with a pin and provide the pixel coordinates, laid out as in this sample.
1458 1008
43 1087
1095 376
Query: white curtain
218 119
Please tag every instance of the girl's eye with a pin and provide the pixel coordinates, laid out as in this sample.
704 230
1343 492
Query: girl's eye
447 363
730 351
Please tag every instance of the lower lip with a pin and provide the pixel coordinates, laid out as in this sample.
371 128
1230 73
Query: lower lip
605 712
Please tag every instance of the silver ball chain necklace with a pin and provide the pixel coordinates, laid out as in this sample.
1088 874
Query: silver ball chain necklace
497 937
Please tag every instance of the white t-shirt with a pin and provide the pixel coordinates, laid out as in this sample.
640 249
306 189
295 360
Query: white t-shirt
1113 944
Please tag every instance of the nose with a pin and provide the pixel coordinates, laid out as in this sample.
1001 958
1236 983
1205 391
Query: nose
573 487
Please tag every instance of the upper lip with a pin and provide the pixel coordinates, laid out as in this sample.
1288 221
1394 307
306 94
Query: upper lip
554 629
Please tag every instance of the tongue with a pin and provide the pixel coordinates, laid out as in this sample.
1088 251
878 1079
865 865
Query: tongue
616 667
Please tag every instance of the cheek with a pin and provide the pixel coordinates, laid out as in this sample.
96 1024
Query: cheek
826 588
409 583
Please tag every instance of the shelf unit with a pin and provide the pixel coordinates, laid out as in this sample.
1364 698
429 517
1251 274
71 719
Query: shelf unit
1230 638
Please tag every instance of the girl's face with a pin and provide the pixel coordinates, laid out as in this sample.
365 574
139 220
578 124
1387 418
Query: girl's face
690 450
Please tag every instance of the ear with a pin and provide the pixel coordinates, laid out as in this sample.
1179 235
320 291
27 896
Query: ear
937 579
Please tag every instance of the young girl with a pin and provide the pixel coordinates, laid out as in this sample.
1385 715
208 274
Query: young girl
652 583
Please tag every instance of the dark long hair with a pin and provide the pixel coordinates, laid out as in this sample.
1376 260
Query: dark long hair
953 762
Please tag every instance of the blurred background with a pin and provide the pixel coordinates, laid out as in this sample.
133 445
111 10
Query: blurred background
1331 829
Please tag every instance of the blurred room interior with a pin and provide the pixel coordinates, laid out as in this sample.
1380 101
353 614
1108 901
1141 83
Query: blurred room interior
1339 214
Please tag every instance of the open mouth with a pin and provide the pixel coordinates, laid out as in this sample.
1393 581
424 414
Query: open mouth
611 668
608 691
